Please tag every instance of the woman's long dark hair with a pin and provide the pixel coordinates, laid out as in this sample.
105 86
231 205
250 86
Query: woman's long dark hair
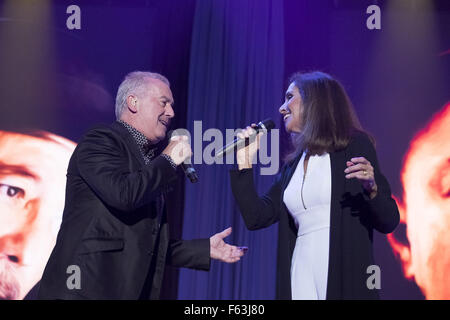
328 119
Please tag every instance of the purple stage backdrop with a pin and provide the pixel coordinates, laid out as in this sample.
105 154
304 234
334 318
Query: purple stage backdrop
228 62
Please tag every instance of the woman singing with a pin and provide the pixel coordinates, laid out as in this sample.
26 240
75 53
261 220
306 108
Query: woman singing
328 197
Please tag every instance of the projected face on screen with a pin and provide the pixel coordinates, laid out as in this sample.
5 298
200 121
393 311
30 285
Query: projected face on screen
32 185
426 209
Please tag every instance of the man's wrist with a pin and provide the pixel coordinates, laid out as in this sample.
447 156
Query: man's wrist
169 158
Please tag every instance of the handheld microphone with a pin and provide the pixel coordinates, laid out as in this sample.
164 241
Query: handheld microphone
187 167
264 126
190 172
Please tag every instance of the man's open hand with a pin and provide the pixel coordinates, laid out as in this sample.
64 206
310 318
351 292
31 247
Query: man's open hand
223 251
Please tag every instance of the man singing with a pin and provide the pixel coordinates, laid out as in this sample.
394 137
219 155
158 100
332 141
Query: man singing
113 242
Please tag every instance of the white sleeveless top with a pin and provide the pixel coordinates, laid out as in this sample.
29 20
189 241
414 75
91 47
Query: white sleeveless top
308 199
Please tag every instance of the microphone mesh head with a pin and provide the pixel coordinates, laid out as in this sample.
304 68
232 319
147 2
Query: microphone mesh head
268 124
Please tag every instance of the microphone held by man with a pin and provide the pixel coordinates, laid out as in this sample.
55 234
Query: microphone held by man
179 150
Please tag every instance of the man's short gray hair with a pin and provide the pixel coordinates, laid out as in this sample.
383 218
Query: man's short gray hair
134 83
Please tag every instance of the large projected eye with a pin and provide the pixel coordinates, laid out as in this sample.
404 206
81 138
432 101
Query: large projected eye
9 191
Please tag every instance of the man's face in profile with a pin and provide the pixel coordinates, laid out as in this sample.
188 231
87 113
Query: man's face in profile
32 185
155 109
426 208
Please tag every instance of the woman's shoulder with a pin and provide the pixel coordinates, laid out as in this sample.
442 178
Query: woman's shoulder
361 139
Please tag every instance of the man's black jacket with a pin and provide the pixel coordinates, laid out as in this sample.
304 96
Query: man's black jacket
112 229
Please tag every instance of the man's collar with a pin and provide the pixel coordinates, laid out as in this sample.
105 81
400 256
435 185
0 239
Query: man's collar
141 140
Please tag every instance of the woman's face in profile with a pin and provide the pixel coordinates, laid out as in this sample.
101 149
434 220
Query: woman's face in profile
292 109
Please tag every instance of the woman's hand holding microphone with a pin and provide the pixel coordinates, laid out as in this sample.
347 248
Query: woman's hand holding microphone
245 155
